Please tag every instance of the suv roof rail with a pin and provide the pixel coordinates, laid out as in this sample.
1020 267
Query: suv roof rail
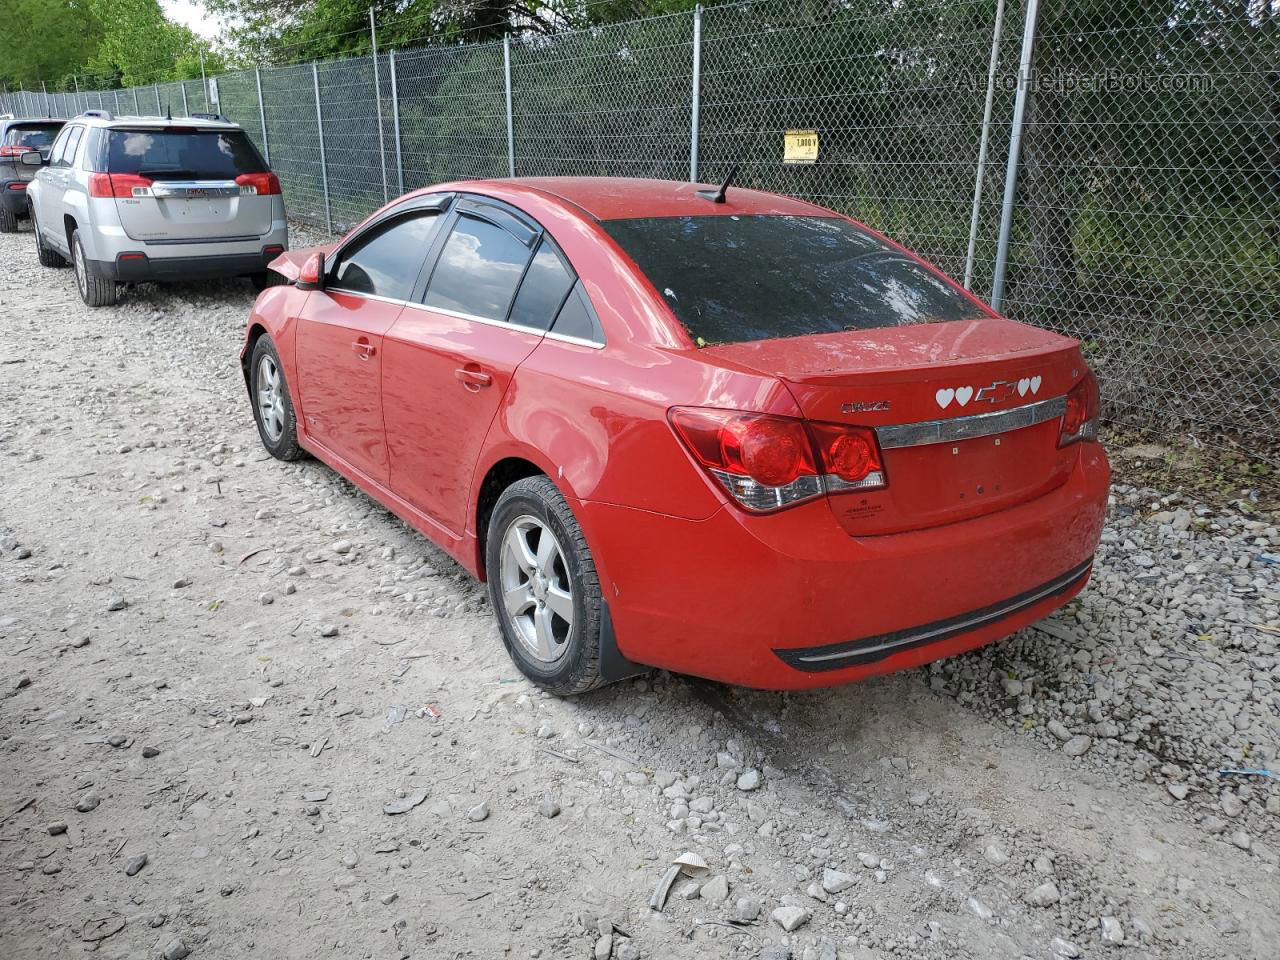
6 116
217 117
100 114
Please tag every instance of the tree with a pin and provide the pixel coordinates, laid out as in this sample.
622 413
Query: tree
45 41
140 45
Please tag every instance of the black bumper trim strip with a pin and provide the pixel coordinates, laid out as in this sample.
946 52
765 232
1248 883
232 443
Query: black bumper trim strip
852 653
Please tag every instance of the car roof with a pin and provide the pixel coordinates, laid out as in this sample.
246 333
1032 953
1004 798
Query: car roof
624 198
134 123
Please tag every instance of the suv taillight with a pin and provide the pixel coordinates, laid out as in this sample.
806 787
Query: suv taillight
15 151
258 185
767 462
105 186
1080 422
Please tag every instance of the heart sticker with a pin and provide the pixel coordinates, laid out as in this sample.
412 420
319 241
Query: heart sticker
1023 386
1035 384
963 394
944 397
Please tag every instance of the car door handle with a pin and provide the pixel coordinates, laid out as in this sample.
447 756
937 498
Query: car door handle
364 349
472 377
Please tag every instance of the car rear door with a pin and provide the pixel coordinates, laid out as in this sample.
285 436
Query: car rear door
339 344
494 288
186 183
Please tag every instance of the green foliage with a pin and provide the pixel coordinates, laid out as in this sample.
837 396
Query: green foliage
141 46
43 41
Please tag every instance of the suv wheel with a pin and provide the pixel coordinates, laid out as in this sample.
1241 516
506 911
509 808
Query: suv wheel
544 588
95 291
46 256
8 222
272 408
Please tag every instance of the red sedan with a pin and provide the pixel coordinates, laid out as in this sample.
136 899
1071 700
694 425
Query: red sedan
727 433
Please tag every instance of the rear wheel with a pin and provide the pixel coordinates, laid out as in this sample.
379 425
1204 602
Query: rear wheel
8 222
47 256
544 588
95 291
272 407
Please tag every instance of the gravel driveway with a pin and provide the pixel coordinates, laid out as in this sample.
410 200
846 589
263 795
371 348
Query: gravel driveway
246 712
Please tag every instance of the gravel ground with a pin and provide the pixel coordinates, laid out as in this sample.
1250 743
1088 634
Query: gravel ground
246 712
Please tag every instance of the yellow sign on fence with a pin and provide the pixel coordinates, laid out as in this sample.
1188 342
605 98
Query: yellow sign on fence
800 146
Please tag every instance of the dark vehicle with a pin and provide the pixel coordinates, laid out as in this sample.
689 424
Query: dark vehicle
24 149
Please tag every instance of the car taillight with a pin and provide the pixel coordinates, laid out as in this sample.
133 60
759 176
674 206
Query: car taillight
105 186
1080 422
15 151
768 462
259 185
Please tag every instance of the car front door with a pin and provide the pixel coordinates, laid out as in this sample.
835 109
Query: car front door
340 336
450 359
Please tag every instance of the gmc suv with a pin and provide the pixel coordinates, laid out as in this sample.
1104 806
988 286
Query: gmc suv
24 149
132 199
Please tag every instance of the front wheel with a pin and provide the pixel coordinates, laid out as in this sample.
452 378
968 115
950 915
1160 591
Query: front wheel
272 406
94 291
544 588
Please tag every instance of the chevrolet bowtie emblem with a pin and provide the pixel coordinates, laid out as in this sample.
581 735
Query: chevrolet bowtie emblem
997 392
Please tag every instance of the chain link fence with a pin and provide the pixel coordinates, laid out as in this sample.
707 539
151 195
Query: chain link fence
1110 171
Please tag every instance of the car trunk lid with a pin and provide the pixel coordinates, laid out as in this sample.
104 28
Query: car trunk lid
967 413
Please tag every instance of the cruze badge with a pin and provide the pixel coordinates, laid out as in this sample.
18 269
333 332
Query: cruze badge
865 406
991 393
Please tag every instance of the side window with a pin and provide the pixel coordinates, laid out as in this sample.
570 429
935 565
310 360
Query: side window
478 270
386 263
69 149
546 283
55 154
578 319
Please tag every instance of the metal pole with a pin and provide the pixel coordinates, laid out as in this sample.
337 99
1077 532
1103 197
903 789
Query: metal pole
511 133
204 82
155 89
697 93
324 166
137 110
44 87
377 104
262 116
982 148
186 110
395 120
1015 146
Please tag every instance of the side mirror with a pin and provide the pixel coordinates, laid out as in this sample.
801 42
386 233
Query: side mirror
31 159
311 276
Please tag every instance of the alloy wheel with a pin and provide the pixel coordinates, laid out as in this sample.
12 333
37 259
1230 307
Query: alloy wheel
270 398
537 594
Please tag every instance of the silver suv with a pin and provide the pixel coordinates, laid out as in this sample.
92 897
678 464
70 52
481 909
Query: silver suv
131 199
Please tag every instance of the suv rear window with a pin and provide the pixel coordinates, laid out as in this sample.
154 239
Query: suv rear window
183 154
38 136
731 279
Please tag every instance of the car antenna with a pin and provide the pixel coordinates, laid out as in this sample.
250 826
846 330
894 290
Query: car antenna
168 110
717 196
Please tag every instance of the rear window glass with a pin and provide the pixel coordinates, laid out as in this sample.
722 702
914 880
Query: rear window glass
731 279
36 136
183 154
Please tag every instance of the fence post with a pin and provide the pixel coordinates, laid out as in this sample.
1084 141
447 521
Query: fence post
324 166
137 110
511 131
982 148
696 106
262 115
186 110
377 103
204 82
155 89
1015 145
395 121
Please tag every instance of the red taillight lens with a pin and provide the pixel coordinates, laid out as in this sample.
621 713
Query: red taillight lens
258 185
17 185
15 151
767 462
106 186
1080 422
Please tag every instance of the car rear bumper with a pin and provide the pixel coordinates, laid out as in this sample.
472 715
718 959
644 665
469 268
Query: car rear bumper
14 200
138 267
789 600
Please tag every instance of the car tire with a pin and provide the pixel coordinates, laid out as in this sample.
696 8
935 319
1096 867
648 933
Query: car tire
8 222
46 256
272 405
560 655
94 291
268 278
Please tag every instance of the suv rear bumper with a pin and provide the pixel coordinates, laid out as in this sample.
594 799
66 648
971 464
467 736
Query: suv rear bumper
138 267
14 200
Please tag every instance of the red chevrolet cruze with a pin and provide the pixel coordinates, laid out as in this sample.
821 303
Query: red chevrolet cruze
723 432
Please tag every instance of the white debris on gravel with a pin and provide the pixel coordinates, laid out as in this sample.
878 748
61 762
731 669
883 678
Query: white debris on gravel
1052 795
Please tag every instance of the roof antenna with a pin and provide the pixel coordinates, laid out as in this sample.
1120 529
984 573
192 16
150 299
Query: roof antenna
168 110
717 196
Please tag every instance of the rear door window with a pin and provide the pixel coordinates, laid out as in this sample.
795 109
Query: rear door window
478 270
546 283
387 261
731 279
176 153
36 136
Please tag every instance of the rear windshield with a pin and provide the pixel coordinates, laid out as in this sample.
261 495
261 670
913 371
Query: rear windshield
731 279
37 136
183 154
